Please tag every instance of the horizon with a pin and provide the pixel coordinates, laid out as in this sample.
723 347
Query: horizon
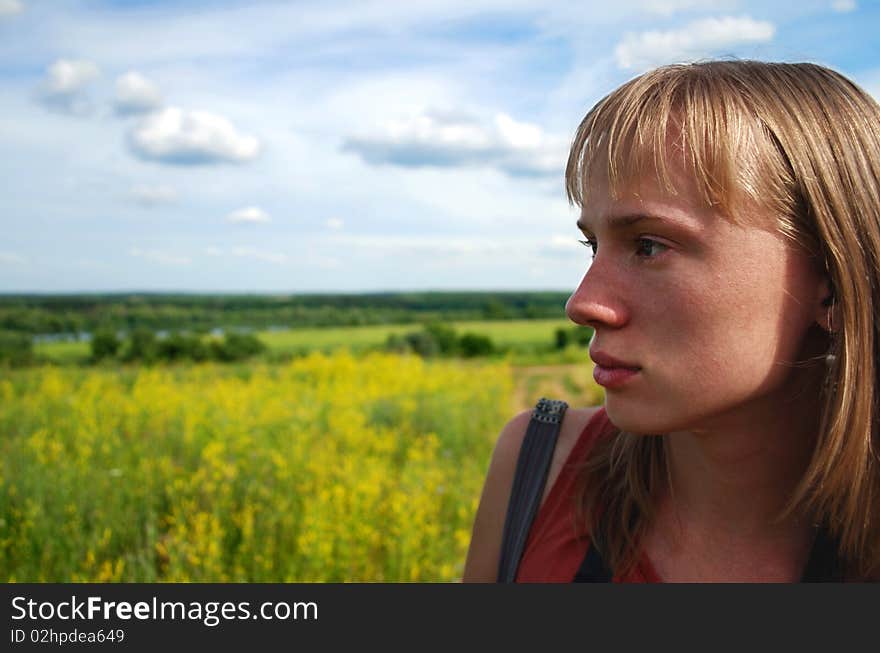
135 293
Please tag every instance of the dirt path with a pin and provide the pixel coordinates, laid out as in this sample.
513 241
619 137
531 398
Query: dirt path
572 383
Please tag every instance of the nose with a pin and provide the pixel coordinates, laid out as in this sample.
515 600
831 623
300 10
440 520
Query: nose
597 302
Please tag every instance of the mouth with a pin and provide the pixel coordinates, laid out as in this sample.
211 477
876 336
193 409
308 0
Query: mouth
607 360
611 372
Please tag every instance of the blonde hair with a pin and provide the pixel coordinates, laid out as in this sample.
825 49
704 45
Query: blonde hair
803 141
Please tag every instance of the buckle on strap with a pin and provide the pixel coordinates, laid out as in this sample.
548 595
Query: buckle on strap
549 411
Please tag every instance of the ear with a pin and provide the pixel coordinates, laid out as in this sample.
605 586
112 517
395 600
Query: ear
827 311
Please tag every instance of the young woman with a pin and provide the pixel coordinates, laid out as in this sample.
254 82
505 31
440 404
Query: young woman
732 210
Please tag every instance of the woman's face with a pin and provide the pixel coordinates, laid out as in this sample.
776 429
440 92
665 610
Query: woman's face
710 316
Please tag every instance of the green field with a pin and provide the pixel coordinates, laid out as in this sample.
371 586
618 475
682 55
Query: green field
530 341
63 352
504 334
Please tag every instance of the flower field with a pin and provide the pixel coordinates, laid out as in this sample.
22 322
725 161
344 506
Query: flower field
327 468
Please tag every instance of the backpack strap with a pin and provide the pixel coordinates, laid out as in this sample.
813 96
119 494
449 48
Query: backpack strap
529 480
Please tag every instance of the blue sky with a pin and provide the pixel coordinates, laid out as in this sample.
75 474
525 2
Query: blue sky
335 146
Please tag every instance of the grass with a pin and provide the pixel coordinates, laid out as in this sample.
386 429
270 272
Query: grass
572 383
504 334
530 342
61 352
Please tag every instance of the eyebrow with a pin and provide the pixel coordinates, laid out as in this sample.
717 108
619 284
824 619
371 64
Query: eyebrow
619 222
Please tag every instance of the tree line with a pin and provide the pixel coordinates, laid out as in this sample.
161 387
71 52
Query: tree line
146 346
73 314
141 346
438 339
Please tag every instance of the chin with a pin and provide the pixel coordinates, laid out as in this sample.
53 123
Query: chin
639 420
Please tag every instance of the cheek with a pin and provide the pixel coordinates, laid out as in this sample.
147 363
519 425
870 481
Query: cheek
774 309
702 331
742 329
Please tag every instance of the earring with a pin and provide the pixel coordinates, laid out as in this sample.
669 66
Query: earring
828 302
830 359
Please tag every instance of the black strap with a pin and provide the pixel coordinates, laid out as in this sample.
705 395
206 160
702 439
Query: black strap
529 480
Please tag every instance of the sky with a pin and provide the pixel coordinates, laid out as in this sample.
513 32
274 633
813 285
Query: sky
336 146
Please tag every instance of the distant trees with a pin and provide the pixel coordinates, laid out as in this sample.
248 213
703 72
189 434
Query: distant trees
576 335
236 346
143 346
437 339
475 344
445 337
104 344
189 318
15 348
73 314
419 342
181 346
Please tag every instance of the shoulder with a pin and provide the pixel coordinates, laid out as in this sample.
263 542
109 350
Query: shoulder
509 442
482 561
576 420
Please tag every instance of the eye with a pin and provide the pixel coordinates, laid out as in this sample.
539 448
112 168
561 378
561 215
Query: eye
649 248
589 243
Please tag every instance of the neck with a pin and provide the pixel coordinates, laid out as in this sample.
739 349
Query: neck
731 479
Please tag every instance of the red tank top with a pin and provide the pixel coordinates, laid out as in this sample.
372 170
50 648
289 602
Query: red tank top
554 548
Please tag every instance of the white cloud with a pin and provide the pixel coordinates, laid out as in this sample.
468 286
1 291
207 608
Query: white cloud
89 264
445 139
64 87
150 196
159 256
249 214
843 6
518 134
8 258
670 7
136 94
10 8
259 254
69 76
248 252
428 248
697 39
175 136
335 224
475 261
324 262
560 247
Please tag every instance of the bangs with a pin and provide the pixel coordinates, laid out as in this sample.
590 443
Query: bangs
693 118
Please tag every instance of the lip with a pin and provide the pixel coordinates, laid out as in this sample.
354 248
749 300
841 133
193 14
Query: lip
611 372
606 360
